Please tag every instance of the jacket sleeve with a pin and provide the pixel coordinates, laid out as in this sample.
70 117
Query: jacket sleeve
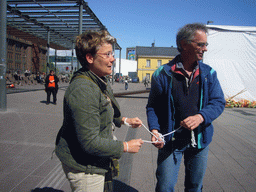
84 102
118 121
46 81
214 102
153 103
56 79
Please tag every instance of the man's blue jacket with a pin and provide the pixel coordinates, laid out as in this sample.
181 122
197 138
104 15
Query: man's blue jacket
160 107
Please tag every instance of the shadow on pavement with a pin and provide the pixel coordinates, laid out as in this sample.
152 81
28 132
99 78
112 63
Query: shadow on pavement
243 112
121 187
134 97
46 189
118 187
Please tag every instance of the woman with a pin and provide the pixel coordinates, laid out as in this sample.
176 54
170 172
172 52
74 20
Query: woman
85 143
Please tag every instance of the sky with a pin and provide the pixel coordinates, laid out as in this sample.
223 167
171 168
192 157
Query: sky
142 22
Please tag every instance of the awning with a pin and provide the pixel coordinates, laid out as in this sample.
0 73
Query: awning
36 20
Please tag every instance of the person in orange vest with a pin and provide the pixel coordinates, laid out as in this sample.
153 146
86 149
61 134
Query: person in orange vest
51 87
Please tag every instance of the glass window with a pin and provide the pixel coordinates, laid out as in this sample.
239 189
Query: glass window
148 63
159 63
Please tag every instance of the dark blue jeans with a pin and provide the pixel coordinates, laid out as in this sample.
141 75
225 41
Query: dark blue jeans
126 86
195 161
53 91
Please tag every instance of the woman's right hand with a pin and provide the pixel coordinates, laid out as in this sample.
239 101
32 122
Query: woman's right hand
133 145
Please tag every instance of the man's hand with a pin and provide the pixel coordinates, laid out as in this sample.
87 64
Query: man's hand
159 144
192 122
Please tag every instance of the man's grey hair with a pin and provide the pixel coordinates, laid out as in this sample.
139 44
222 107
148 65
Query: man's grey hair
187 33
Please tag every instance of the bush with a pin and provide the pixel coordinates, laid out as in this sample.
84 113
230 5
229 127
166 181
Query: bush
242 103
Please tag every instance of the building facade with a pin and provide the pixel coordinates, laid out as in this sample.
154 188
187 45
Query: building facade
150 58
24 55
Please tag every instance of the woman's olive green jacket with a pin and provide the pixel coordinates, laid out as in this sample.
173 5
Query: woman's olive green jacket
85 141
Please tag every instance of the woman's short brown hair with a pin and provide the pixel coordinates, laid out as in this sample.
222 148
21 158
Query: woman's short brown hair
90 42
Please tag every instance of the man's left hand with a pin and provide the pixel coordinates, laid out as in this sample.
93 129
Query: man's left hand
192 122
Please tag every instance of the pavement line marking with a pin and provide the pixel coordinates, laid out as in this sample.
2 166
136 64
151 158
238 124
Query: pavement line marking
27 143
57 170
33 113
125 163
27 176
61 180
57 178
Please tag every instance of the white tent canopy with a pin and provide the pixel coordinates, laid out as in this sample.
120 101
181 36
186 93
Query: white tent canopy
232 53
126 66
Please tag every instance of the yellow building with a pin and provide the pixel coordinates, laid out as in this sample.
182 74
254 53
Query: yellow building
150 58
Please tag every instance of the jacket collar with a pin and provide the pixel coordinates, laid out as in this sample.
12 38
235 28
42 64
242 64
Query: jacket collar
103 84
204 69
100 81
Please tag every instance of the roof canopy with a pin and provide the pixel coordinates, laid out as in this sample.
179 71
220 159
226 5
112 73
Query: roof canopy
33 19
232 28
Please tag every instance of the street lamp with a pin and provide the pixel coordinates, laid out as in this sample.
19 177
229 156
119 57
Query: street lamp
209 22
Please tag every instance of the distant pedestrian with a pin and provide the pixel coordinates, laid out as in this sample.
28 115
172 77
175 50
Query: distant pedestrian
126 84
146 81
16 76
51 87
38 78
27 73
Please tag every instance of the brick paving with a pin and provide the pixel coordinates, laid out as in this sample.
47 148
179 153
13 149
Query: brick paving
29 127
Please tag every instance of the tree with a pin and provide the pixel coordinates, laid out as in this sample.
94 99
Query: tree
51 67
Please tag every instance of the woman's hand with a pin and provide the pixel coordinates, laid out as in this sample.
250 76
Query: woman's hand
133 122
158 143
133 146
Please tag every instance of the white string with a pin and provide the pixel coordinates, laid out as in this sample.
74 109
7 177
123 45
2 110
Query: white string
161 137
193 140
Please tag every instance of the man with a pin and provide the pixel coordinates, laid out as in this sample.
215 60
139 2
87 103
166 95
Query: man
51 87
184 93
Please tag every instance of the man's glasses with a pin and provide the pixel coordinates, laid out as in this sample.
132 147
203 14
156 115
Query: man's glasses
200 44
108 54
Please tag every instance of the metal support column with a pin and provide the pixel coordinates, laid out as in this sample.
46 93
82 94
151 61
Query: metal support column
3 51
80 29
72 59
48 51
113 66
55 60
80 18
119 62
